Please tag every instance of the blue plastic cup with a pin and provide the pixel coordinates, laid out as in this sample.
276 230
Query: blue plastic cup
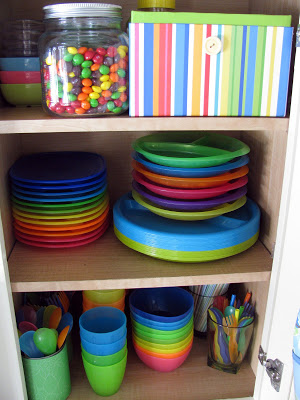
104 349
296 375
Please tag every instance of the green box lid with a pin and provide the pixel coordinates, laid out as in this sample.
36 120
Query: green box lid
210 18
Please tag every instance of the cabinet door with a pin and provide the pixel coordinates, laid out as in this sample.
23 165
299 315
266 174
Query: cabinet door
284 295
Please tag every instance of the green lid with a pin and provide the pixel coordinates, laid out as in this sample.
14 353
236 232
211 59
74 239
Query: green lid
156 4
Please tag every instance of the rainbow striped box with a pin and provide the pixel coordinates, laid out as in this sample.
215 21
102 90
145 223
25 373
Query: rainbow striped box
171 73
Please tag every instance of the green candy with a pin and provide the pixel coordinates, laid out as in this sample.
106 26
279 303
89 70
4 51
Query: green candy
104 69
60 94
121 73
110 105
77 59
59 86
72 97
94 103
117 110
86 72
48 85
115 95
87 64
68 57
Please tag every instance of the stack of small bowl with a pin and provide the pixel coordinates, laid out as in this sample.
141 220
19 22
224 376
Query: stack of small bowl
103 334
19 66
107 298
162 326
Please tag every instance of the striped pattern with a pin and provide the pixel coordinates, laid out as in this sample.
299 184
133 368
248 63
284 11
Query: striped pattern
171 75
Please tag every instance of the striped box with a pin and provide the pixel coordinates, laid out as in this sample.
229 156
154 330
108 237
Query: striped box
172 75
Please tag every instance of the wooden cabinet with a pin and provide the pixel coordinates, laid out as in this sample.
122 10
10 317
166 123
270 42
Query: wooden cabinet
109 264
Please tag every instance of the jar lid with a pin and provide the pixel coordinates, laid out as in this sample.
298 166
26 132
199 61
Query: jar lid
156 4
67 10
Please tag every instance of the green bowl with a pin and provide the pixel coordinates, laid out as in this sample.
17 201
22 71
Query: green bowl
22 94
106 380
103 361
159 334
104 296
161 340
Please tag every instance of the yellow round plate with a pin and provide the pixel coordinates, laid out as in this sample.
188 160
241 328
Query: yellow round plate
189 215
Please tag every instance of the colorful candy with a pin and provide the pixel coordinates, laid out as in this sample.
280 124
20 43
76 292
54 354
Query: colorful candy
86 80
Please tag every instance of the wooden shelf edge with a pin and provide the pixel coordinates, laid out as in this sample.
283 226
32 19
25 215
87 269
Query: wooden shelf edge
35 120
186 382
108 264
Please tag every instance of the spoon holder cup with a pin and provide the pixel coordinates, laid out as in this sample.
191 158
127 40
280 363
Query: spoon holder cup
227 346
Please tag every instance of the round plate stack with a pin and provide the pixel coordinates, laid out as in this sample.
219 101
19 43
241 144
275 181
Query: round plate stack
59 199
196 183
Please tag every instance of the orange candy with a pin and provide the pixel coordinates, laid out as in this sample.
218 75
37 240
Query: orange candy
80 110
85 105
82 50
106 93
87 89
114 76
95 67
123 97
82 96
122 63
87 82
114 68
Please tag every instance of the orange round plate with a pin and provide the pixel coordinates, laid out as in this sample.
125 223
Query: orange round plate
191 183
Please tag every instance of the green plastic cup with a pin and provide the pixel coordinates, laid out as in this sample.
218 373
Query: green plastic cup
102 361
105 381
48 378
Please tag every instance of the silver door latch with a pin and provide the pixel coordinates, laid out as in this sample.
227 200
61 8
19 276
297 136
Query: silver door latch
274 368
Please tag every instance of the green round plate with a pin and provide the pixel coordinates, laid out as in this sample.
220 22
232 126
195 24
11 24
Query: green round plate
186 256
190 149
189 215
57 206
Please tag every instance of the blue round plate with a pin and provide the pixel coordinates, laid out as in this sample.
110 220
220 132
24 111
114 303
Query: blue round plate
58 167
141 225
191 205
59 200
191 172
81 185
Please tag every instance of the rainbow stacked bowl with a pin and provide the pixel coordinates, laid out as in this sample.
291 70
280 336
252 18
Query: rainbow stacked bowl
188 200
103 298
162 326
103 335
59 199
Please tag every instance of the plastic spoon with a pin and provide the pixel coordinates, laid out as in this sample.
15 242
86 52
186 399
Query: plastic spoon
39 317
222 343
45 340
47 314
62 336
230 309
55 318
66 320
26 326
28 346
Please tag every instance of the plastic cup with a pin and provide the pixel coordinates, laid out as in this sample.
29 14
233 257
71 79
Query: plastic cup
106 380
296 363
104 296
92 304
102 325
104 349
102 361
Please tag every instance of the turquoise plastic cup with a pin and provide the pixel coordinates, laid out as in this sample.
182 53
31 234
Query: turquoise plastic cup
105 380
102 361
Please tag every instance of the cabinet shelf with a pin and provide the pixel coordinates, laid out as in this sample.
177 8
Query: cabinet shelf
35 120
193 380
108 264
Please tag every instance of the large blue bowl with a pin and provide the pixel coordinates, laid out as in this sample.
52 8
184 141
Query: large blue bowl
163 326
102 325
104 349
20 64
168 304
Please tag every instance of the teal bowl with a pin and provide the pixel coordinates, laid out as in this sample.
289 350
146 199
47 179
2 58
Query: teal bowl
27 94
103 361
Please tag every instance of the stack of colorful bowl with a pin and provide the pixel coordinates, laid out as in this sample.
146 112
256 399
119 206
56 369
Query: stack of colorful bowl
103 334
190 197
107 298
162 326
59 199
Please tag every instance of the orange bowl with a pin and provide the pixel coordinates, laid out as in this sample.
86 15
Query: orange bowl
160 355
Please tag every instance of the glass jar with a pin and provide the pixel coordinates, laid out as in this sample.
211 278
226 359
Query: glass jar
156 5
84 60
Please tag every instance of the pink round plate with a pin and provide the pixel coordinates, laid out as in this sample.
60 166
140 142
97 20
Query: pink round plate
189 193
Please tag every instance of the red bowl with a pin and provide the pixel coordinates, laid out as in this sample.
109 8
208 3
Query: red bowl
22 77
